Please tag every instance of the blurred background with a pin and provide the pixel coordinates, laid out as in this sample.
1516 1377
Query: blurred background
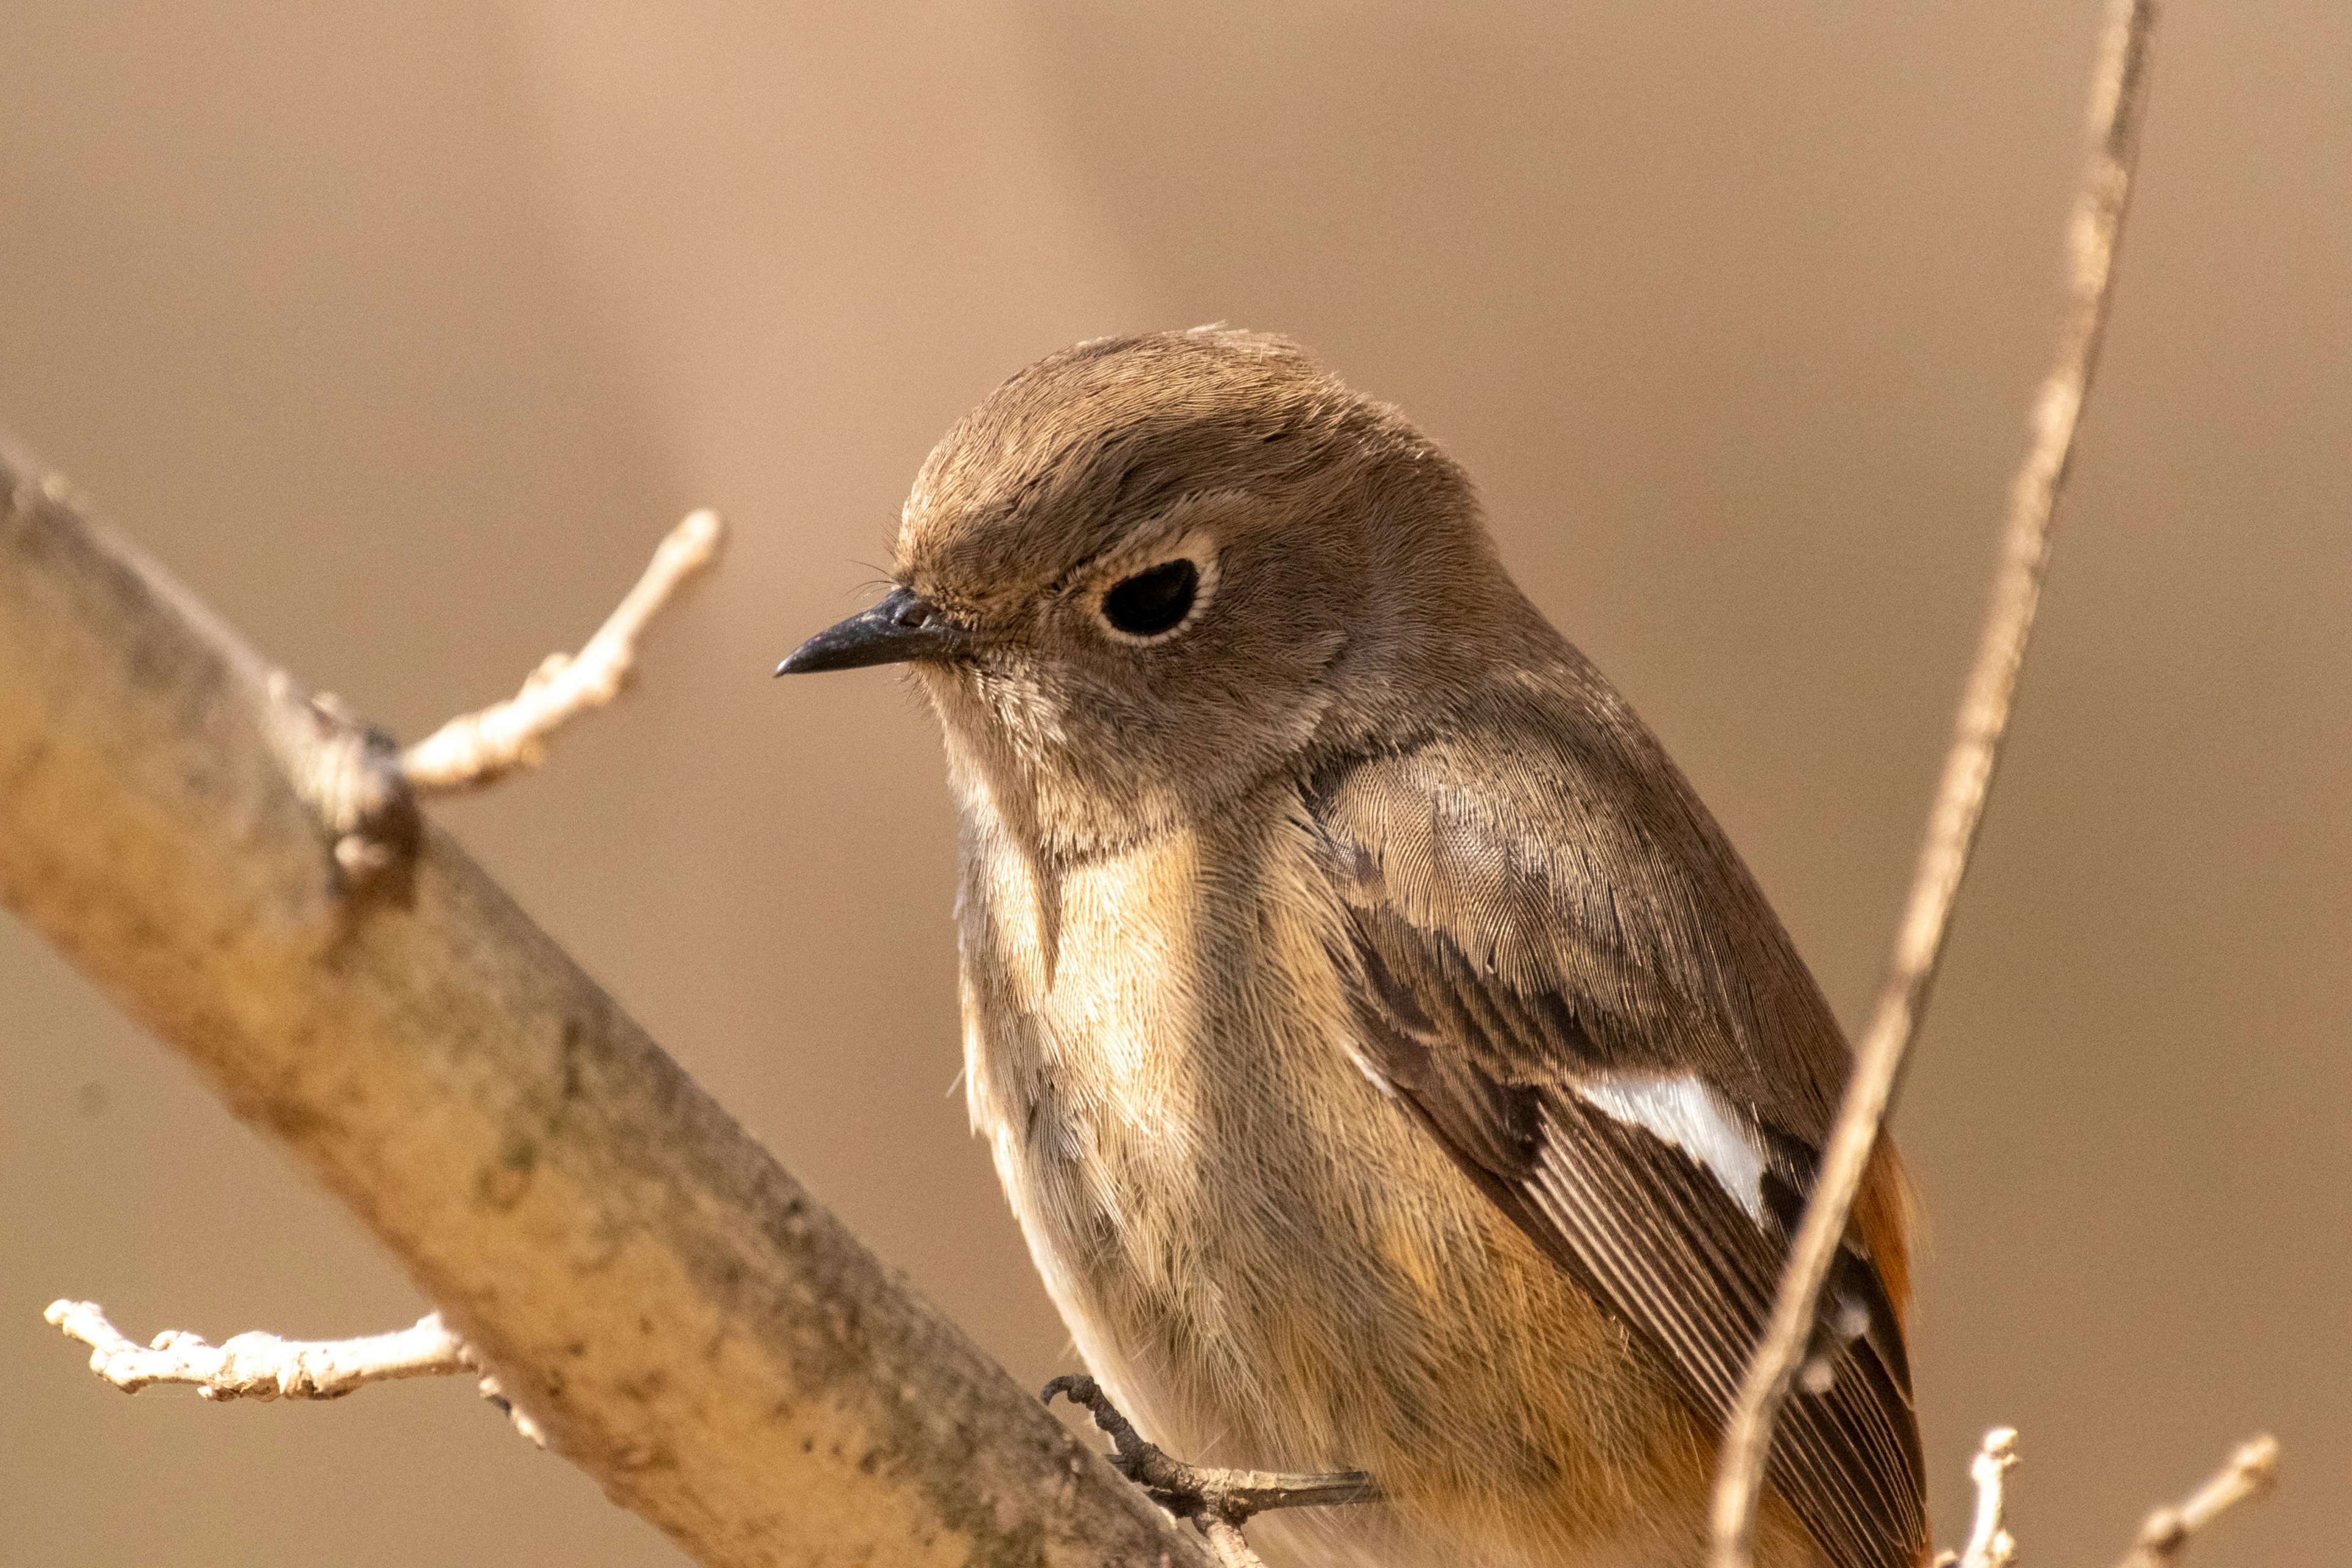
401 333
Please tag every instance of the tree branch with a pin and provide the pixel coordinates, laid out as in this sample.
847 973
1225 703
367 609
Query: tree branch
2118 95
2163 1537
478 749
1990 1545
239 864
259 1366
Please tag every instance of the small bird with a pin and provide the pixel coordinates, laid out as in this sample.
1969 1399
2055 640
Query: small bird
1390 1062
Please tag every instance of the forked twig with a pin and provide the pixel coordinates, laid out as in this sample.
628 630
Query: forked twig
2118 95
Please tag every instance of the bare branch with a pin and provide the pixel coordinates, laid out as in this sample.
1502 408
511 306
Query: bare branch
2118 95
478 749
1990 1545
2251 1472
259 1366
682 1320
2164 1538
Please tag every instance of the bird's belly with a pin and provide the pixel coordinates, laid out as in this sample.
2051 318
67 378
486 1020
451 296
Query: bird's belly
1270 1297
1310 1320
1268 1264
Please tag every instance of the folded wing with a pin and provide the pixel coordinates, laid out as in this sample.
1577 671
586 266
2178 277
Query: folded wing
1551 970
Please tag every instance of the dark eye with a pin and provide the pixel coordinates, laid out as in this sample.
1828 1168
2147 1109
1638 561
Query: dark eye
1153 601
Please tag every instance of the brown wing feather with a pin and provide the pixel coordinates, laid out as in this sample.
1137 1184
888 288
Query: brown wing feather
1519 925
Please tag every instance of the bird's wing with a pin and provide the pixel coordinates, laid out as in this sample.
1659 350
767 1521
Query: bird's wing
1556 964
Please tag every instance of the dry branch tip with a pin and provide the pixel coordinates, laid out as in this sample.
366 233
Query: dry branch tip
2164 1536
1990 1545
480 748
259 1366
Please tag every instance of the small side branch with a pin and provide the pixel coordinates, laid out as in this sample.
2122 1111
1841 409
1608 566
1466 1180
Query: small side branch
261 1365
1990 1545
2163 1537
480 748
1218 1502
2118 95
258 1365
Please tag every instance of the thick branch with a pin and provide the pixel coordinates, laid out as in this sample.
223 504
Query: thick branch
674 1312
2118 97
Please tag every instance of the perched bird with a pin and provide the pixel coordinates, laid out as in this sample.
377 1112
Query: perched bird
1390 1062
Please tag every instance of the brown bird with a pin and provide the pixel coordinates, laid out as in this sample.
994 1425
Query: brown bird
1390 1062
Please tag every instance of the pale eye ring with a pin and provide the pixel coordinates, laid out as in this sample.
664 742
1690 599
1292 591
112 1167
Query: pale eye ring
1154 603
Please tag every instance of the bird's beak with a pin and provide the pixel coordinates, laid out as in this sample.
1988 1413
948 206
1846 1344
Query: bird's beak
904 626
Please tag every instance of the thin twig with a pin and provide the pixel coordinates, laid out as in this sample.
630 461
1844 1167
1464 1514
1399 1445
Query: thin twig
479 748
258 1365
2164 1536
261 1365
1217 1501
2118 98
1990 1545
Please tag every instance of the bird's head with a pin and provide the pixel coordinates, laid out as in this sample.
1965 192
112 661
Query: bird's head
1146 573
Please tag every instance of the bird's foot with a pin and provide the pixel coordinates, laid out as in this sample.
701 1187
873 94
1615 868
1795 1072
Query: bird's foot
1218 1502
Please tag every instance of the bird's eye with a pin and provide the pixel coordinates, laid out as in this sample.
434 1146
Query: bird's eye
1153 601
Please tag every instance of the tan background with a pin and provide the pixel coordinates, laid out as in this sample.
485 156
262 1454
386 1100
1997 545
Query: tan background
402 331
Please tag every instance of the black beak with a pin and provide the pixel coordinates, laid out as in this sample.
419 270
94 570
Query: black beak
904 626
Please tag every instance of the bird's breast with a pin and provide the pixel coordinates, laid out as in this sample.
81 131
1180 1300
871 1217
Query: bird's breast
1229 1212
1154 1053
1255 1249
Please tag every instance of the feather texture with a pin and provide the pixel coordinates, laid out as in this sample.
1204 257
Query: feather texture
1510 1000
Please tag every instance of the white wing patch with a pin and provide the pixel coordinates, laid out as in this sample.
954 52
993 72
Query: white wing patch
1691 1117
